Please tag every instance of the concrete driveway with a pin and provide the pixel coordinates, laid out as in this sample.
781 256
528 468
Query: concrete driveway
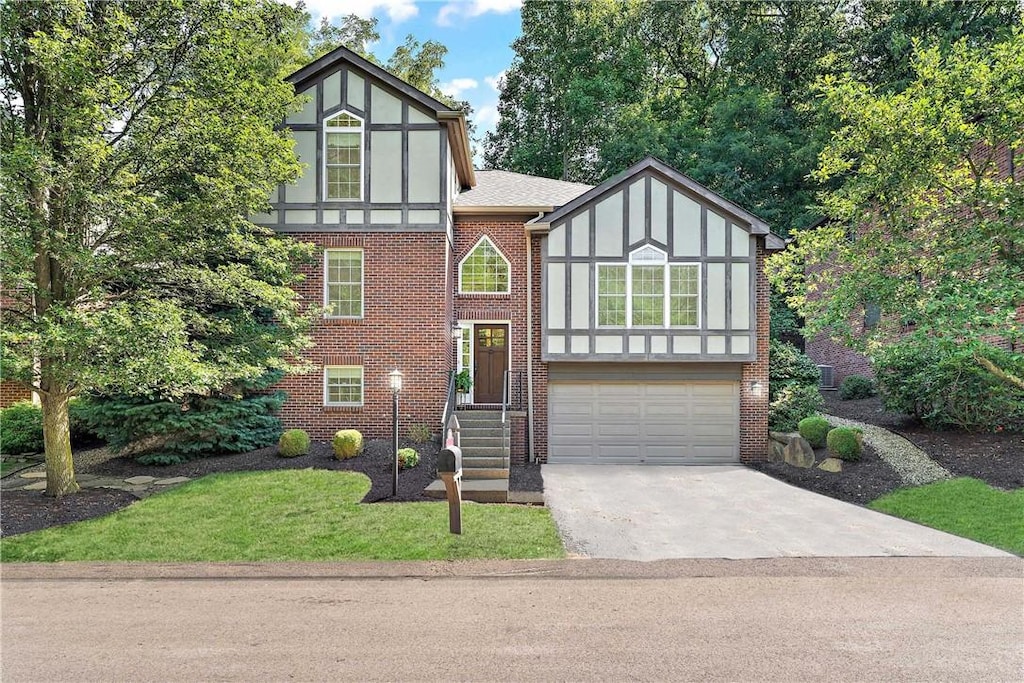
656 513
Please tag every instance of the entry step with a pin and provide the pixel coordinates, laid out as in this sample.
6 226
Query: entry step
479 490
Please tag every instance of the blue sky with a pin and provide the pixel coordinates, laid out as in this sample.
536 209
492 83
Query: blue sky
477 33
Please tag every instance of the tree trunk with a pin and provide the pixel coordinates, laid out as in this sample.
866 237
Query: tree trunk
60 468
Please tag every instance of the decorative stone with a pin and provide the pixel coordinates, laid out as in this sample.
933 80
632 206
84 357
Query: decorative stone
35 474
171 481
775 450
35 486
798 453
140 480
831 465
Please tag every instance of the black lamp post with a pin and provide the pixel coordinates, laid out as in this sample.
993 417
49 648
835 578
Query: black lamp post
395 381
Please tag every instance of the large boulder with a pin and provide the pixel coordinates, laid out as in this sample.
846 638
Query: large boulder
798 453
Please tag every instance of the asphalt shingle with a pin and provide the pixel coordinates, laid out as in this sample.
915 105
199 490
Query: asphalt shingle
505 188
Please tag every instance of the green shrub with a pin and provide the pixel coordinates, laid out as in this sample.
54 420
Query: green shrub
164 432
408 457
293 443
844 443
947 388
787 366
856 386
792 404
814 429
420 433
21 428
347 443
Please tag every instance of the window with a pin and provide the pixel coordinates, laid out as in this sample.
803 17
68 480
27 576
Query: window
343 157
343 283
465 347
343 385
648 292
484 270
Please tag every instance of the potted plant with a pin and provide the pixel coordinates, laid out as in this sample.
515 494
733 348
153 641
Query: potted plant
463 383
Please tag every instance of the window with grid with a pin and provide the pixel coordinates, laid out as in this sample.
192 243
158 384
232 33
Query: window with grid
684 296
642 292
648 296
465 348
343 283
343 385
484 270
611 295
343 157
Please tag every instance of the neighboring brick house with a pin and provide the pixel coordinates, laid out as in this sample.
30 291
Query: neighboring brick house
627 322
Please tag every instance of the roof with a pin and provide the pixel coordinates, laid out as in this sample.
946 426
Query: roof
454 119
504 191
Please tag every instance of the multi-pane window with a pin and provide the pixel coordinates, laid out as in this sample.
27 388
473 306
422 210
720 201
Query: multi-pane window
343 385
648 292
465 348
343 156
343 283
484 270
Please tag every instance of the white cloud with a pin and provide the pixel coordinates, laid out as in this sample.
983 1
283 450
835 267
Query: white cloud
457 86
397 10
486 117
474 8
496 81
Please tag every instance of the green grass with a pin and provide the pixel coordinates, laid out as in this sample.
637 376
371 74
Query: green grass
288 515
965 507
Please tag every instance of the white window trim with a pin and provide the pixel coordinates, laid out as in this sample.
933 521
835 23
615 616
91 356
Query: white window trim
362 388
508 264
362 286
471 326
666 310
362 154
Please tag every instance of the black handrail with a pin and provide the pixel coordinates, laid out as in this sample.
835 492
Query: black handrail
449 404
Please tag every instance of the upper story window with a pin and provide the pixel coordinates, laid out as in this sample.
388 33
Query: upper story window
343 283
343 157
648 291
484 270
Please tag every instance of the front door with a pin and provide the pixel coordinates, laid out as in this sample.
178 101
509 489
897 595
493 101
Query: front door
490 360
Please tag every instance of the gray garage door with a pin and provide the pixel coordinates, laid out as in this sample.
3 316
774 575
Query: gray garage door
653 423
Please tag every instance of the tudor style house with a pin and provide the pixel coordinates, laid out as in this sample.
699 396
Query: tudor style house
623 323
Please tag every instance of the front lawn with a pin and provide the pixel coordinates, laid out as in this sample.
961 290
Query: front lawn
306 515
965 507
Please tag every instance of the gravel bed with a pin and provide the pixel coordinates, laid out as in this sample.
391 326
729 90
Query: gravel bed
912 464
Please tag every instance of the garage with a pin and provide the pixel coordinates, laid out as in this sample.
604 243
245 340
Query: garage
643 422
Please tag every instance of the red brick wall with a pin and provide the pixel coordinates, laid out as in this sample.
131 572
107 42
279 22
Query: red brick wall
754 409
405 325
539 425
12 392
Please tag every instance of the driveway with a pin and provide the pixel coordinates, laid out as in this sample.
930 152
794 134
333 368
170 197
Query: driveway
656 513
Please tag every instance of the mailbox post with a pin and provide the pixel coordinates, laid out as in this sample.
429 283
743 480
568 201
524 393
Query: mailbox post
449 468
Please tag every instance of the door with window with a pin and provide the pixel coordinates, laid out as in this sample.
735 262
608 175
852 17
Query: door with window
490 360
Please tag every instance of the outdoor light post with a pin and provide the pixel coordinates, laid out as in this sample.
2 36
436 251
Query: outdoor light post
395 381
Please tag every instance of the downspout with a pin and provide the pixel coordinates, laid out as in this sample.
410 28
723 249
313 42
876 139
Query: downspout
529 339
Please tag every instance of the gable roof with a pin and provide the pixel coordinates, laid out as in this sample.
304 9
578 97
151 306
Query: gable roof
454 119
757 225
506 191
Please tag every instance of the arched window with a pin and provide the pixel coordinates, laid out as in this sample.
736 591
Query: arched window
484 270
648 291
343 157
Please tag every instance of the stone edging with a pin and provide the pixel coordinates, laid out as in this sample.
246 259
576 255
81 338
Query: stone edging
912 464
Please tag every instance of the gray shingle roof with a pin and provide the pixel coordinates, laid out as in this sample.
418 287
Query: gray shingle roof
505 188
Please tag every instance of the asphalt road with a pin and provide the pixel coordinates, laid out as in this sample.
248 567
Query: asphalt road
890 619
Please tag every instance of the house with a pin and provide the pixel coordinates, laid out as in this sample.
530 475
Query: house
623 323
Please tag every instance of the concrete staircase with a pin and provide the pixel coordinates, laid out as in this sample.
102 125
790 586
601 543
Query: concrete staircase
484 466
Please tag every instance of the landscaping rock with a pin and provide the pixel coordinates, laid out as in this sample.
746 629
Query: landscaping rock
35 486
36 474
798 453
140 480
171 481
775 450
831 465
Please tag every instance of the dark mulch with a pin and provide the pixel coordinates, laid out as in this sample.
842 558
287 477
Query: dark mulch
22 511
996 458
525 478
860 482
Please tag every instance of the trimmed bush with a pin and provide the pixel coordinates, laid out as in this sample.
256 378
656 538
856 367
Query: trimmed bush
420 433
856 386
293 443
21 428
814 428
844 443
792 404
408 457
347 443
788 366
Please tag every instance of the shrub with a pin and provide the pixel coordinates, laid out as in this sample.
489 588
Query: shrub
844 443
856 386
293 443
347 443
420 433
164 432
463 382
945 387
788 366
814 429
793 403
21 428
408 457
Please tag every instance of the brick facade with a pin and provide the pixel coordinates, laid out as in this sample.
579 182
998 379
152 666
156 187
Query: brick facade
12 392
754 407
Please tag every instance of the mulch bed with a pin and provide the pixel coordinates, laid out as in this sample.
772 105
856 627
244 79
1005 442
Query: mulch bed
22 511
860 482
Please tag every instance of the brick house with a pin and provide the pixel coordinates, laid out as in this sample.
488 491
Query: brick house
626 322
